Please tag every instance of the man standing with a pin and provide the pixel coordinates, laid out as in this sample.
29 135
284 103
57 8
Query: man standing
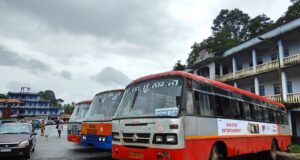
43 127
59 128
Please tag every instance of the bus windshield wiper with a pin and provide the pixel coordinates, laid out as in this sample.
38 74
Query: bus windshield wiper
134 99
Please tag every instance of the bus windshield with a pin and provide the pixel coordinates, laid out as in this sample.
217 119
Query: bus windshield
153 98
79 112
104 106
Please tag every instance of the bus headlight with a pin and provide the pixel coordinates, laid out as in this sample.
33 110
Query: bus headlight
171 139
103 139
165 138
116 136
100 139
84 137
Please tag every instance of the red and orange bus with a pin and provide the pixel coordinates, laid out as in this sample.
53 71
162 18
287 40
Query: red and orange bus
74 125
96 128
177 115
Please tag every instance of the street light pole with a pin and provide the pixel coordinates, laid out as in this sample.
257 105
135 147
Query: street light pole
279 65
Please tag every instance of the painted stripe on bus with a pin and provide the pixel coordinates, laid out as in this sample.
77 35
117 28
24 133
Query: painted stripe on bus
233 136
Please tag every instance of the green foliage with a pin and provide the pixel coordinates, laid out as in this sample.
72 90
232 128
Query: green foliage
178 66
258 25
235 22
292 12
294 148
3 96
68 108
50 96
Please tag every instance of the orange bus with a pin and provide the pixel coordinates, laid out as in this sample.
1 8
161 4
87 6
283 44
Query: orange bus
177 115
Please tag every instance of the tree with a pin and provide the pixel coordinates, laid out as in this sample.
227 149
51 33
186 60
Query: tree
233 21
3 96
68 108
193 55
292 12
178 66
259 24
50 96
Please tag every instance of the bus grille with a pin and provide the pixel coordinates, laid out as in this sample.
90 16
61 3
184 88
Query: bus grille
92 138
91 131
74 130
141 138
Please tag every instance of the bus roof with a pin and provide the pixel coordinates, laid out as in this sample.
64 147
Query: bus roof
206 80
115 90
85 101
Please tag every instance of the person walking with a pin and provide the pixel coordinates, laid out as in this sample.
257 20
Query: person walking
43 127
59 128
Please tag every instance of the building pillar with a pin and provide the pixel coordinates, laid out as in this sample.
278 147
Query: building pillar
281 52
289 117
235 84
256 85
212 71
254 62
221 69
233 67
284 86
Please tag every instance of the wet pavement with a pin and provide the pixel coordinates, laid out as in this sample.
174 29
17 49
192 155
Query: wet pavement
60 149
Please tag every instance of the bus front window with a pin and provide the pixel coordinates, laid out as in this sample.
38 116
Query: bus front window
104 106
153 98
79 112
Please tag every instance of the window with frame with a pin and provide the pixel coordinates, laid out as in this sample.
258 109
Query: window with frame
259 60
262 90
274 113
223 107
253 111
276 87
260 114
270 111
266 115
204 104
274 56
247 111
290 87
279 118
286 52
251 63
236 109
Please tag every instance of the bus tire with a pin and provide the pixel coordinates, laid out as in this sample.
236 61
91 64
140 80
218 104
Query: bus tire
272 153
215 153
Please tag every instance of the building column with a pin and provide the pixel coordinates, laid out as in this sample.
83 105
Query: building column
284 86
256 85
289 117
281 52
221 69
235 84
212 71
233 67
254 62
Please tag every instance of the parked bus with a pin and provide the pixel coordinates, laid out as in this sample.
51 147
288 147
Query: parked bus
177 115
96 128
74 125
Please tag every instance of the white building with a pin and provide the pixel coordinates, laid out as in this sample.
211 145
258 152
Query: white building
253 65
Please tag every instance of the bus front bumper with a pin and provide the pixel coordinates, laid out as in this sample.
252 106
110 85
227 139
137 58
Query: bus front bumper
126 153
93 140
74 138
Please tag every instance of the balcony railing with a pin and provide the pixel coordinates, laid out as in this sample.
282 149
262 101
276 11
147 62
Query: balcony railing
292 60
293 97
267 66
244 73
225 77
276 97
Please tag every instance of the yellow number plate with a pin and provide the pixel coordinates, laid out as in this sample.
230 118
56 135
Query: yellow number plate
135 155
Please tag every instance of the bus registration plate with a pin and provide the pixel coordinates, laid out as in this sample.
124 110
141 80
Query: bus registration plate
135 155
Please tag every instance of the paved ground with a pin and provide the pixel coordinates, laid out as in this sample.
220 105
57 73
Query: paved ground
60 149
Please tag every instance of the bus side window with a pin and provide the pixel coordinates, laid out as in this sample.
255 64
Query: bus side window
275 116
247 111
266 115
279 119
260 116
204 104
242 110
236 112
284 117
271 115
219 106
253 112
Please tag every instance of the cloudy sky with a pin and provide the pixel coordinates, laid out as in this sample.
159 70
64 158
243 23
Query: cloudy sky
78 48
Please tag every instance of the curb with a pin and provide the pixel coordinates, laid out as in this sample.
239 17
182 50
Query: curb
295 156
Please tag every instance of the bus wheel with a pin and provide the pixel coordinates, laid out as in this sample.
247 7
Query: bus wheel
215 154
272 154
